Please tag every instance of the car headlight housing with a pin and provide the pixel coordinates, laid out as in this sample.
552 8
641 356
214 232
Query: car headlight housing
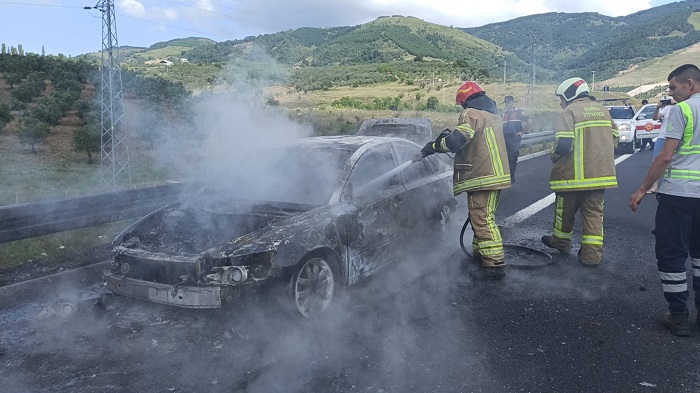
623 138
624 127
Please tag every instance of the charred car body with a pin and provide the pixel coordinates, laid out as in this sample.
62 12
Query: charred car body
322 219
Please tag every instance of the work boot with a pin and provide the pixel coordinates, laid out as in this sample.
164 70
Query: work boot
587 263
547 241
489 273
677 324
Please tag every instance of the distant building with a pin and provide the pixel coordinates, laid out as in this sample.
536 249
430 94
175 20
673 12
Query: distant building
158 62
183 61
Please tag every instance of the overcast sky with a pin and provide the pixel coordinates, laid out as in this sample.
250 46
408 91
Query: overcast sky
63 26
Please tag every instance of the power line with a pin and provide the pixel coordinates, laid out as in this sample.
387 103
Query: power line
226 16
175 27
39 5
251 13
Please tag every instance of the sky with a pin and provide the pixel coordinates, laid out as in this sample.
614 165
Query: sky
65 27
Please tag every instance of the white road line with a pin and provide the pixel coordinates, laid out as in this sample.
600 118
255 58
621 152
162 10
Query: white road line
533 209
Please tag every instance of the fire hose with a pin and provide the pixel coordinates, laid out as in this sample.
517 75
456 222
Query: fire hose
514 247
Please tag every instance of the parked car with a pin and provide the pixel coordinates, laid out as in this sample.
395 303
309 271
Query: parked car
623 116
644 124
320 220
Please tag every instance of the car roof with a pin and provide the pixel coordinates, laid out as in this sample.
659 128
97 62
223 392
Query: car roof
346 142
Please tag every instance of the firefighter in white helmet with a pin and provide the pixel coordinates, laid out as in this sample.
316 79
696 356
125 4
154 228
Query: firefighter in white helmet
481 170
584 167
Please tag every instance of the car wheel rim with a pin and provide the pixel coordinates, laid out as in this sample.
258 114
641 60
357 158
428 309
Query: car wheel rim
313 287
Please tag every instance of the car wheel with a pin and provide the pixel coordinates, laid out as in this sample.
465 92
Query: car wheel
312 286
629 148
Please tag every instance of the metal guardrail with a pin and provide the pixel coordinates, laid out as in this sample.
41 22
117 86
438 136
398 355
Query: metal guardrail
535 138
36 219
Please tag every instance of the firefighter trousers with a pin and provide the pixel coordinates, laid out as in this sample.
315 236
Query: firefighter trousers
487 237
591 205
677 233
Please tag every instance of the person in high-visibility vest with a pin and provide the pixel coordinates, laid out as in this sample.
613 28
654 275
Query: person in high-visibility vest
677 222
584 167
481 170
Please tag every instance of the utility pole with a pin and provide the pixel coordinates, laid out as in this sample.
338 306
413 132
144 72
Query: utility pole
593 82
114 153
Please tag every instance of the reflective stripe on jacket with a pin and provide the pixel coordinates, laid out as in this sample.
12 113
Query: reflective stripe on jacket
684 170
479 164
583 151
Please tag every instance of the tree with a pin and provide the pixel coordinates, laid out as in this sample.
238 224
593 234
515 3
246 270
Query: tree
43 52
20 50
87 139
4 49
13 51
32 131
432 103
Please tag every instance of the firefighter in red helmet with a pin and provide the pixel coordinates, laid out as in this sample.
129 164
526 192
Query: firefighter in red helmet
481 170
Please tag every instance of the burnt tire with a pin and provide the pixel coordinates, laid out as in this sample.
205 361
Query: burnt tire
311 287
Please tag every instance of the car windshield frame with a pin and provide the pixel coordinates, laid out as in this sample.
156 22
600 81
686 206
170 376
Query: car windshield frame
621 112
300 174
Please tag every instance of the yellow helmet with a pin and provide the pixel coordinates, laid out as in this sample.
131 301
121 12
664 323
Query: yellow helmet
572 88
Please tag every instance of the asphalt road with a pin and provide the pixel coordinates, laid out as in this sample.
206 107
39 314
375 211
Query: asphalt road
423 326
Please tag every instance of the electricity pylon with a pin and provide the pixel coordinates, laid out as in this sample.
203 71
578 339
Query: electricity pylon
114 153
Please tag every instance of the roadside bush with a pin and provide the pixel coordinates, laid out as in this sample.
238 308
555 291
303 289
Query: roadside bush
5 115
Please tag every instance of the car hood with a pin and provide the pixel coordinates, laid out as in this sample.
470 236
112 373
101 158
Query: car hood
185 229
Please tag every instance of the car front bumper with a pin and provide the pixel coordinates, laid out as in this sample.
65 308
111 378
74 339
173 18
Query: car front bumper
626 137
181 296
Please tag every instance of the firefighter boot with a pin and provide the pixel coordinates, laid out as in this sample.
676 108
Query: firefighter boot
553 242
489 273
590 258
677 324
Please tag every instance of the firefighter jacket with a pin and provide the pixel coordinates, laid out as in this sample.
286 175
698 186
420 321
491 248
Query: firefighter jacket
480 152
583 151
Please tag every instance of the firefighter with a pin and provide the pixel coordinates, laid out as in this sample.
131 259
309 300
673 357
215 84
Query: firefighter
584 167
481 170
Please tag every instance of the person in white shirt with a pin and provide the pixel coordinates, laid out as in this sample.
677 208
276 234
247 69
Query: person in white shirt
661 114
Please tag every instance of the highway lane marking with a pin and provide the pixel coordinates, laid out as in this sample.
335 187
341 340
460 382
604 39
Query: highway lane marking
536 207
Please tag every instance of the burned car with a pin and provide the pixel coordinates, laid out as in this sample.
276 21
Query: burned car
330 211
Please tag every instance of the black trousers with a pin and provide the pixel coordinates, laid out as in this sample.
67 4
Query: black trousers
677 235
513 149
650 141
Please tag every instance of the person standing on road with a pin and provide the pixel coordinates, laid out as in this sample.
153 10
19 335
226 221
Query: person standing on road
479 170
515 124
677 222
584 167
660 114
646 141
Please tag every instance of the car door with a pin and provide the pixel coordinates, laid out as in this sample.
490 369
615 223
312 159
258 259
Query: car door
374 208
644 122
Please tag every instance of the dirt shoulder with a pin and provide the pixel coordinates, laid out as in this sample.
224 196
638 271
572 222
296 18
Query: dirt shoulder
47 266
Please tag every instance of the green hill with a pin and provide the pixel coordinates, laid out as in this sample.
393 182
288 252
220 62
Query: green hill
584 42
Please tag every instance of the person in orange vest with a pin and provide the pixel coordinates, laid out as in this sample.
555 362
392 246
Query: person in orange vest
515 124
480 170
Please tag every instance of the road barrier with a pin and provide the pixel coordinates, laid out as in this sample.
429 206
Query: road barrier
36 219
536 138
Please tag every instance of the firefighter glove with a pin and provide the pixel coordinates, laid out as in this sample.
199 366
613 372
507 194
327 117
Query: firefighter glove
428 149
